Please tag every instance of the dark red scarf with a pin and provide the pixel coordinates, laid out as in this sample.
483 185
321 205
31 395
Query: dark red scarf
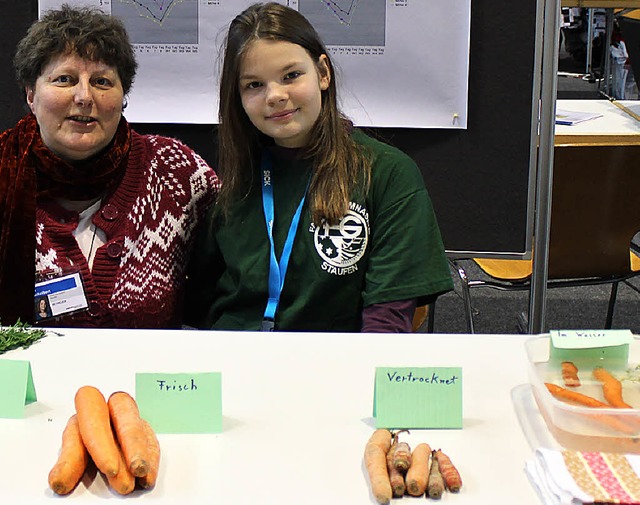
28 170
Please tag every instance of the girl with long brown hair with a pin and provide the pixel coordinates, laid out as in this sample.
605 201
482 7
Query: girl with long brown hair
305 195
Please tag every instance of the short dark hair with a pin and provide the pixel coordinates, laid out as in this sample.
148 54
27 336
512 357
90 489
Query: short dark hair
88 32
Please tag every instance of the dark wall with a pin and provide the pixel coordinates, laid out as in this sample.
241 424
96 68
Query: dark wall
478 178
15 18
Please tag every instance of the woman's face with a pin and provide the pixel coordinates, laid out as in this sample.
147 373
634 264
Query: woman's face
43 305
281 90
78 105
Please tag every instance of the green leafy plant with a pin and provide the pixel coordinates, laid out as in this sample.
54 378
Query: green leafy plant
632 374
19 335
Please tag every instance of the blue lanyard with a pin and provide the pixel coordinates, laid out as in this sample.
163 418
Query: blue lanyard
277 270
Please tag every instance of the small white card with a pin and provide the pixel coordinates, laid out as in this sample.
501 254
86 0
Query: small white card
62 295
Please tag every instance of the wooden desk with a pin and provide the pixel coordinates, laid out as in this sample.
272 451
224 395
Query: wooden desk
297 414
614 128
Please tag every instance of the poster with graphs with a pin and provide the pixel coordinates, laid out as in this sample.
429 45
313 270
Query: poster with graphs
400 63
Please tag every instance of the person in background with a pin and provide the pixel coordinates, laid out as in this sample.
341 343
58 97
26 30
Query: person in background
619 57
317 227
87 203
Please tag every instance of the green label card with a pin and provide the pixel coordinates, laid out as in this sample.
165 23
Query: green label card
17 388
589 339
181 402
609 347
418 397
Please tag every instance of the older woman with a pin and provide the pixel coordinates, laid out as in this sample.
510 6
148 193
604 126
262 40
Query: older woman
93 215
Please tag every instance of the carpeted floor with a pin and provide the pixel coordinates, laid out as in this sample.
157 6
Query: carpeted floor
567 308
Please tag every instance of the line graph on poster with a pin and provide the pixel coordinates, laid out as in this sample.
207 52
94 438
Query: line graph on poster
168 24
355 27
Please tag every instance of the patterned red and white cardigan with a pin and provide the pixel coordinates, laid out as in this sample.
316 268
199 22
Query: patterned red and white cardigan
150 221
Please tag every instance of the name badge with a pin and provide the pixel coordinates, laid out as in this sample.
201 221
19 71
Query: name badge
59 296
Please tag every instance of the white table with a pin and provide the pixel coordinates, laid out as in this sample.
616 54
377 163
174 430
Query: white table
297 413
615 127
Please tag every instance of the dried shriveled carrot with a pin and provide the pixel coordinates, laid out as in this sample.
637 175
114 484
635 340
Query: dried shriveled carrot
435 483
395 476
418 472
149 480
570 374
95 428
130 432
375 460
611 388
449 472
123 482
382 438
402 456
72 460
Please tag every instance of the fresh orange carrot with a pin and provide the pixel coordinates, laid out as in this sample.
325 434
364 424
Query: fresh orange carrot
149 480
570 374
95 429
588 401
395 476
419 470
376 463
130 432
449 472
611 388
123 482
435 483
574 397
72 460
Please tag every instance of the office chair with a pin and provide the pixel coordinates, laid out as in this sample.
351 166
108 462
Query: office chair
424 313
595 212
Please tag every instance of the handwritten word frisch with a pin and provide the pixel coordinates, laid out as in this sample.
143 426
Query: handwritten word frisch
166 386
410 377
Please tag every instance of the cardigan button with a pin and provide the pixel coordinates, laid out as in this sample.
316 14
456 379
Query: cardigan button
109 212
114 250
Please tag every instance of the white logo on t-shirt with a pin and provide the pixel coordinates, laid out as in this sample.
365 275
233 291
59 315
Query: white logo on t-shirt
342 245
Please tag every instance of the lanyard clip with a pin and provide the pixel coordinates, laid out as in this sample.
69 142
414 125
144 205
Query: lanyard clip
267 325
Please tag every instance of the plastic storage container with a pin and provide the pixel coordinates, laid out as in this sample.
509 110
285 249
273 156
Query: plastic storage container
587 428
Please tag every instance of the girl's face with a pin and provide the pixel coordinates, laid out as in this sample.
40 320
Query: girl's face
43 305
78 104
280 88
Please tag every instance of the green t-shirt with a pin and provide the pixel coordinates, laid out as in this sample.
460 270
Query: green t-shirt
387 248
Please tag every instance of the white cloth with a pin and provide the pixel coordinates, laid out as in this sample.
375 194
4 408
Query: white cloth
549 475
554 483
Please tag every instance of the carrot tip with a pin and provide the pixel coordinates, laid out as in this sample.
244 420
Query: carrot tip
60 489
139 468
144 484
